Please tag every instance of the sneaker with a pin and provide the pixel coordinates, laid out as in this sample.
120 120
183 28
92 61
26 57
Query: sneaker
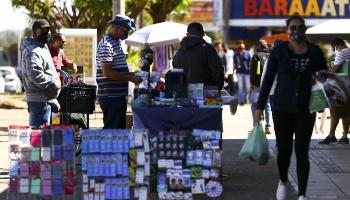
343 140
328 140
281 193
267 131
302 197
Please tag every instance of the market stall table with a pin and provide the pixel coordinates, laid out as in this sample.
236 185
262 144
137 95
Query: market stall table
163 118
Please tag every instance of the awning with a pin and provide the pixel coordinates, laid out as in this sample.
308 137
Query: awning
327 31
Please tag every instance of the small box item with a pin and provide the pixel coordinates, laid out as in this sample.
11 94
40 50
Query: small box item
35 137
14 184
35 169
24 169
35 186
46 187
35 154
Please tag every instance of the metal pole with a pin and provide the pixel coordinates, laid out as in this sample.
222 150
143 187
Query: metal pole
227 14
118 7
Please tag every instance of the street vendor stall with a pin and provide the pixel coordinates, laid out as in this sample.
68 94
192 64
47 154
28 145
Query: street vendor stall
163 118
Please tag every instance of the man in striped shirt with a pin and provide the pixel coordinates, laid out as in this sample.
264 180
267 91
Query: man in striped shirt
113 75
342 54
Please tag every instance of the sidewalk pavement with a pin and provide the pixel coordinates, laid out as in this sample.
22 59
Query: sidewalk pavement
329 173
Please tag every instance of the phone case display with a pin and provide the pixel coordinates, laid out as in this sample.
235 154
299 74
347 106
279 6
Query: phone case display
187 163
42 162
115 164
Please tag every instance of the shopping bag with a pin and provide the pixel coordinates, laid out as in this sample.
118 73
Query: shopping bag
256 147
318 100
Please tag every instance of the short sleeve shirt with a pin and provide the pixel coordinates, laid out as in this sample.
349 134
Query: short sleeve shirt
342 56
109 51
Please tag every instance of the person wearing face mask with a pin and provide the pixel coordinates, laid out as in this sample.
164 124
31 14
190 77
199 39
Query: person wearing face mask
256 70
112 74
56 45
40 79
241 61
295 63
342 54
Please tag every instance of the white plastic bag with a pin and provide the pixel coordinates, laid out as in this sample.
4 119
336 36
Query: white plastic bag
318 99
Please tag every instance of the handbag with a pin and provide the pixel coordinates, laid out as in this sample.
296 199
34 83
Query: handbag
256 147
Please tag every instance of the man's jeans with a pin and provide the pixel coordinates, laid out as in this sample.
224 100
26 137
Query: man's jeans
243 87
114 112
254 94
39 113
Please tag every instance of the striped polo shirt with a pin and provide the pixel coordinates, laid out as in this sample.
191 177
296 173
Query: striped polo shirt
109 51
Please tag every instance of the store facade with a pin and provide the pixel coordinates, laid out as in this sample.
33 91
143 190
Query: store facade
252 19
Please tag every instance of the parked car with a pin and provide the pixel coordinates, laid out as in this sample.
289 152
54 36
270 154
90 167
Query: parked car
12 81
2 83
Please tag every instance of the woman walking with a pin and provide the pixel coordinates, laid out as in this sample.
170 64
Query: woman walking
294 62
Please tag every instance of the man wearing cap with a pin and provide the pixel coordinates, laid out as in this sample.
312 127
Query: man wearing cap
113 74
40 79
256 70
199 59
56 45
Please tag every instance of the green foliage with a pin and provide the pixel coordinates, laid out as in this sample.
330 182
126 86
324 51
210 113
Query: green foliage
8 42
10 53
133 58
159 9
96 13
80 14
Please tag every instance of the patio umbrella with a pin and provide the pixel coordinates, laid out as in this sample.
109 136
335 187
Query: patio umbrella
159 34
330 29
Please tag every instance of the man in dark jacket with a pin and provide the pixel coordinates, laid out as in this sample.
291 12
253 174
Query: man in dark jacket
256 69
199 59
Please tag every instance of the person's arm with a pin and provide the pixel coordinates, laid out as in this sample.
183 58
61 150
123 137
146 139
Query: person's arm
119 76
67 62
263 71
338 61
271 71
176 61
252 70
106 59
229 67
36 75
216 67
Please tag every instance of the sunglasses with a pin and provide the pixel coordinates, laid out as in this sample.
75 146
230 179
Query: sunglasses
294 27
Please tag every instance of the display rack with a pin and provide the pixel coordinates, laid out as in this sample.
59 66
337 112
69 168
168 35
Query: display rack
115 164
42 163
187 164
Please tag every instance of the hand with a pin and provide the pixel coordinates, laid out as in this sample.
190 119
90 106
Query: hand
57 83
75 68
226 76
259 115
136 79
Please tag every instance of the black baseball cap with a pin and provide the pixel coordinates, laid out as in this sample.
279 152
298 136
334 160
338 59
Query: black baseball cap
40 23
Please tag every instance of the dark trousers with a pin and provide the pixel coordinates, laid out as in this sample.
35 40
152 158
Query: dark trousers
231 84
287 124
114 112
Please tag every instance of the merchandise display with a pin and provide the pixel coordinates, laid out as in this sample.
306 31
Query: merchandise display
42 162
187 163
115 164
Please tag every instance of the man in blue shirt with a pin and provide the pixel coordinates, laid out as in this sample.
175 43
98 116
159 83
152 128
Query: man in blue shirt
241 64
113 75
